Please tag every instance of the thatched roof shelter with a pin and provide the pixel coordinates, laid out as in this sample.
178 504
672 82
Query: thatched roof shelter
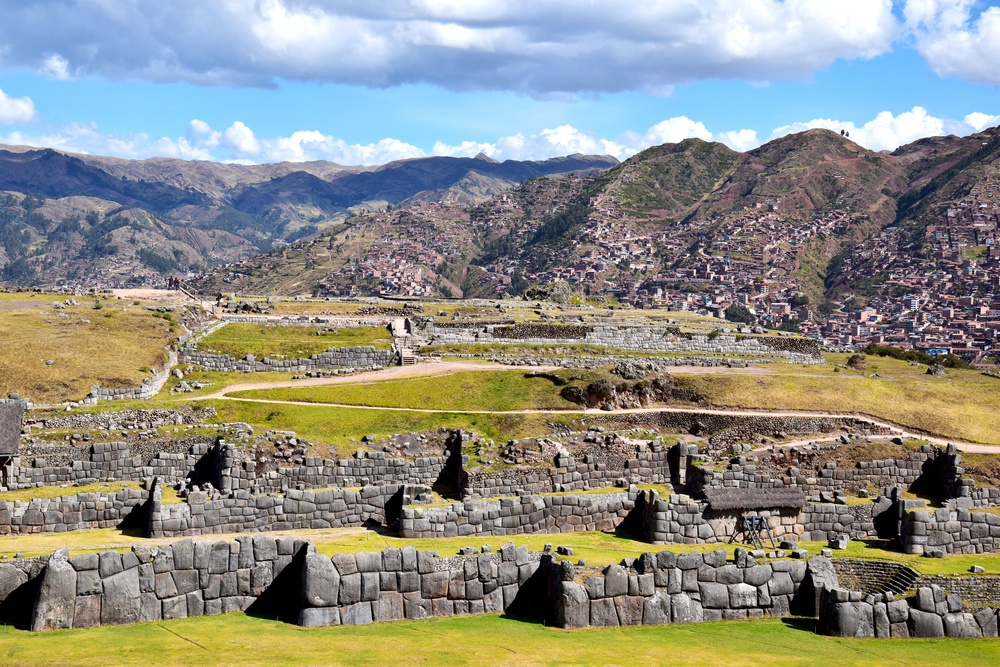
11 416
755 499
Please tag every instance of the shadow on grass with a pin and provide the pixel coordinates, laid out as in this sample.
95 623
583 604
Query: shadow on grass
800 623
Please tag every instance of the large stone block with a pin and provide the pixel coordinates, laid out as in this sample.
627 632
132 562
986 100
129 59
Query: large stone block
925 624
574 606
356 614
388 607
183 552
319 617
851 619
11 578
615 581
714 596
685 610
434 584
88 611
987 620
175 607
656 609
350 589
742 596
55 605
603 613
629 609
320 581
122 598
961 626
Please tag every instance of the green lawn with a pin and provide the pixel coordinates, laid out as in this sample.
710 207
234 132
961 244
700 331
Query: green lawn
336 426
288 342
465 390
237 639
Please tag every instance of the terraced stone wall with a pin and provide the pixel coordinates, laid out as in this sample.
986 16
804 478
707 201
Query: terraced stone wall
950 531
930 614
662 588
518 516
681 520
181 580
337 357
397 584
83 511
242 512
636 339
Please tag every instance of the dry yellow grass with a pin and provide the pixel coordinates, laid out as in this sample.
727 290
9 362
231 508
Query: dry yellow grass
964 404
110 346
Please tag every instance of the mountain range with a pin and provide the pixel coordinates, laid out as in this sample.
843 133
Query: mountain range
70 218
812 222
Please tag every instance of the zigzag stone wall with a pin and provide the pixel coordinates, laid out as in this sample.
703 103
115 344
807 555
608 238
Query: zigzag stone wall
242 512
662 588
150 583
635 339
930 614
683 521
950 531
82 511
518 516
353 589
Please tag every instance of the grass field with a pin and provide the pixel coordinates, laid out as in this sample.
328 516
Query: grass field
336 426
288 342
114 346
238 639
25 495
466 390
964 404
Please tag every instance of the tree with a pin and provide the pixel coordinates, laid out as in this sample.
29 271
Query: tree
740 314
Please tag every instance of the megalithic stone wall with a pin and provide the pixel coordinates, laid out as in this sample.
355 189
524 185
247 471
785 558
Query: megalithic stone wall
153 583
397 584
336 357
930 614
289 578
665 587
518 516
949 531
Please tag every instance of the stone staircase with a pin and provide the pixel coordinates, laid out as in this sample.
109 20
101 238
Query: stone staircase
904 579
875 576
406 357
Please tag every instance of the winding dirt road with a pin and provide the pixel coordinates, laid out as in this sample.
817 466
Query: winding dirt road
441 368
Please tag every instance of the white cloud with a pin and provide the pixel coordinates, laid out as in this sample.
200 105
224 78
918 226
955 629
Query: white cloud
540 47
239 143
887 131
954 39
56 67
241 138
980 121
16 110
739 140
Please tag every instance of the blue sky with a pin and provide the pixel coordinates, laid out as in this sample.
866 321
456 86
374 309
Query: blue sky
363 83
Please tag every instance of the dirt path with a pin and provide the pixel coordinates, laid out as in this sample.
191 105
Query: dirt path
426 369
441 368
164 295
895 429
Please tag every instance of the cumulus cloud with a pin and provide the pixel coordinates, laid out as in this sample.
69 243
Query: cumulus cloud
239 143
955 39
16 110
887 131
540 47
